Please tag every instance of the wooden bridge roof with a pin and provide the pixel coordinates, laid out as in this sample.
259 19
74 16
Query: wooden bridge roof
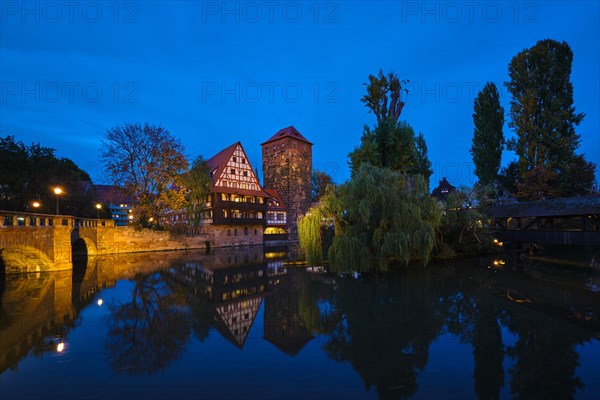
566 207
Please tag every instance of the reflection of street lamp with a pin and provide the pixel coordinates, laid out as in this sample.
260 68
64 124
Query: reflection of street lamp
98 207
57 191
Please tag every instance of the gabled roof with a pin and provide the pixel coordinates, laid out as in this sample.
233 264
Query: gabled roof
275 194
290 131
441 192
219 161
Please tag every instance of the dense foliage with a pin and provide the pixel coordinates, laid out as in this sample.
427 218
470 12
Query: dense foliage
198 184
544 119
147 162
384 213
321 182
379 216
29 174
488 139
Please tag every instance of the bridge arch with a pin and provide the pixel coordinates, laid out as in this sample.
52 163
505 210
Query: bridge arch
22 258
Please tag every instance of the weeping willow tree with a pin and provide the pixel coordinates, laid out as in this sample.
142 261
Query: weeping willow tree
380 216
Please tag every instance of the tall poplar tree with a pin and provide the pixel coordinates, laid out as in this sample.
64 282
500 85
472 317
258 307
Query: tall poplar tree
488 139
544 119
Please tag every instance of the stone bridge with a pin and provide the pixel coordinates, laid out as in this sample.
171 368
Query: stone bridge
41 242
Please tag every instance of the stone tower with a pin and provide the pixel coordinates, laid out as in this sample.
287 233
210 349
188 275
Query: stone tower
287 167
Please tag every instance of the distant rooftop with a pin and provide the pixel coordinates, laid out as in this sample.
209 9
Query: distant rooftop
570 206
290 131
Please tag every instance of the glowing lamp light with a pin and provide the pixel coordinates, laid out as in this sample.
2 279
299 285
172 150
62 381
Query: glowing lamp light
99 302
60 347
36 204
57 190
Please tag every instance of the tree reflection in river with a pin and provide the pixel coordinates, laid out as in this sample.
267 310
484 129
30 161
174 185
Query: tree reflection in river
150 331
525 332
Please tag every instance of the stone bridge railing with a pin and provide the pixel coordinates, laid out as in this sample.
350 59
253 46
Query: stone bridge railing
32 242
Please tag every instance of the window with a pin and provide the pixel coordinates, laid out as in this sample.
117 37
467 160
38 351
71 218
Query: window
228 232
243 186
245 231
243 161
255 233
232 171
224 183
234 159
245 173
235 232
282 145
274 147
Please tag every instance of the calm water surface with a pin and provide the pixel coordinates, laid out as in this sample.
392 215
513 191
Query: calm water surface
239 324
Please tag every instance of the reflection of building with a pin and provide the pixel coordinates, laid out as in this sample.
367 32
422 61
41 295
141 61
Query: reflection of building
235 319
283 326
234 282
287 168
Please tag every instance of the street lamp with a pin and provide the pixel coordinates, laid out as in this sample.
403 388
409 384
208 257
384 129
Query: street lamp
98 207
57 191
36 204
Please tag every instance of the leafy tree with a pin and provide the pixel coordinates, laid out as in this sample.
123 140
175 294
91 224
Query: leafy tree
198 183
544 119
147 162
379 217
462 230
28 174
488 139
390 145
422 162
383 96
321 183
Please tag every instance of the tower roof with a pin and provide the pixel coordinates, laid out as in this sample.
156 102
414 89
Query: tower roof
290 131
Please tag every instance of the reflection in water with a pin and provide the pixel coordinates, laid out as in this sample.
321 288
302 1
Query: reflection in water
151 331
383 328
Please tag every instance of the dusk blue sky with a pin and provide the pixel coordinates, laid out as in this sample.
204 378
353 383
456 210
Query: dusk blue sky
214 73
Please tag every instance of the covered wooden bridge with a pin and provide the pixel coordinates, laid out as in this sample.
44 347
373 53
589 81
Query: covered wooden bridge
568 221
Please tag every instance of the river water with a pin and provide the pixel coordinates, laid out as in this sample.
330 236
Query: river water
238 323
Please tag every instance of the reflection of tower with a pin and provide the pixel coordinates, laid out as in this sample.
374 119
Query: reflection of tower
287 167
283 325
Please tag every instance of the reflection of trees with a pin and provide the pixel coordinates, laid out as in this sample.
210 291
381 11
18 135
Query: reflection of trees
545 360
150 331
488 351
385 331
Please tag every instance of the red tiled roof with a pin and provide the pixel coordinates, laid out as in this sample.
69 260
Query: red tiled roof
219 161
275 194
290 131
